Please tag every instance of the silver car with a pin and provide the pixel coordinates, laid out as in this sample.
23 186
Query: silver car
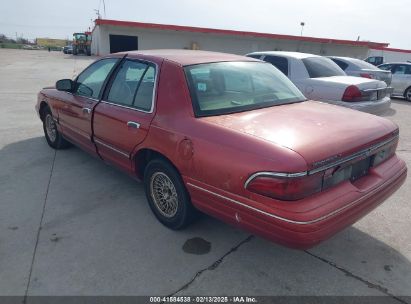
401 78
360 68
319 78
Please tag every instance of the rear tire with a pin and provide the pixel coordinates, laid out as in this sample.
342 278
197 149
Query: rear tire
167 196
53 136
407 94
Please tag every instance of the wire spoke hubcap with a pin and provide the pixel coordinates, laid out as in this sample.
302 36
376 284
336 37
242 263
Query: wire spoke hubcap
164 194
51 128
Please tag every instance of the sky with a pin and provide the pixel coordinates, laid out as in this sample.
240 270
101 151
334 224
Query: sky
372 20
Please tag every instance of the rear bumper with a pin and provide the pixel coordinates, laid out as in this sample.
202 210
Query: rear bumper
373 107
305 223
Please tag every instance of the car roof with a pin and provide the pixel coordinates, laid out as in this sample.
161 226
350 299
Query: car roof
343 58
186 57
296 55
404 62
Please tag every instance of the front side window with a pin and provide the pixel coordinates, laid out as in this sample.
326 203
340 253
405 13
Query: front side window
402 69
133 85
322 67
280 63
230 87
90 82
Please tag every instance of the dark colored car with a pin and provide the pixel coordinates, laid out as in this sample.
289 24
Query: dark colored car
230 136
68 49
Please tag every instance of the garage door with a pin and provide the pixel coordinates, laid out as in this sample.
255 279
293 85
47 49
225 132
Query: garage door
122 43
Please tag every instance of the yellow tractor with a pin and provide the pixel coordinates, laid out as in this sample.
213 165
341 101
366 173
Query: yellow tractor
82 43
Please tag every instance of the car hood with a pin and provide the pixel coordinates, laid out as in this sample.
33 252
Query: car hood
317 131
345 81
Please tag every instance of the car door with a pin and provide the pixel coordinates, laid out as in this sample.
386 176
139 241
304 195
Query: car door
122 119
75 115
399 78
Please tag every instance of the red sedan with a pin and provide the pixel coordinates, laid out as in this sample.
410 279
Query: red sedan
230 136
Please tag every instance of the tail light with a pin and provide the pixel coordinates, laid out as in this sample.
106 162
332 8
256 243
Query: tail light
366 75
352 93
286 188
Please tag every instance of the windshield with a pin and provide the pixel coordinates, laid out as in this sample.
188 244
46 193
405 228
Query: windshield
80 36
322 67
230 87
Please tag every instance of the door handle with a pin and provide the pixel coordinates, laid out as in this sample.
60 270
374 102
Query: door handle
133 124
86 110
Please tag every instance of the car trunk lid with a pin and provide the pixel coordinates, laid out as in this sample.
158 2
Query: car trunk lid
319 132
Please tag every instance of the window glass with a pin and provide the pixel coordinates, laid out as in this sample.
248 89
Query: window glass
343 65
254 56
402 69
386 67
280 63
229 87
91 80
362 64
144 96
322 67
399 69
125 83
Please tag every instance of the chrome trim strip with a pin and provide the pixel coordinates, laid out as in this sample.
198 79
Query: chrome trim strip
274 174
126 107
365 152
112 148
300 222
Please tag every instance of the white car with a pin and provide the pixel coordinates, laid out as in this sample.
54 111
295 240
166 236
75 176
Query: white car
319 78
401 78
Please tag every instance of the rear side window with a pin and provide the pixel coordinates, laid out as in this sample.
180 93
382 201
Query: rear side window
280 63
385 67
340 63
133 85
322 67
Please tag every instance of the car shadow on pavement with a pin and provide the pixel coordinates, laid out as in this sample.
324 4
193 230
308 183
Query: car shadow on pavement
94 206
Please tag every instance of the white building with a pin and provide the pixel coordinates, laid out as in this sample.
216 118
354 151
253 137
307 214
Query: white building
110 36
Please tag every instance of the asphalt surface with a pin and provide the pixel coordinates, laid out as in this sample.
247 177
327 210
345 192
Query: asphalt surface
72 225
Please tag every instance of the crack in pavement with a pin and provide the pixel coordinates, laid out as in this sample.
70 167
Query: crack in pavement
352 275
213 266
39 229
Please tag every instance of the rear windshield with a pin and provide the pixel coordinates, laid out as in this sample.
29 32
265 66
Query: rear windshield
230 87
322 67
364 65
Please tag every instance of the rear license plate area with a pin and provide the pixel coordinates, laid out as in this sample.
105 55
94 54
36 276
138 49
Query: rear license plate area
360 169
381 94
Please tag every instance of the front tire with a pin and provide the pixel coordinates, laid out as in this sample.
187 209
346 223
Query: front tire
407 94
53 136
167 196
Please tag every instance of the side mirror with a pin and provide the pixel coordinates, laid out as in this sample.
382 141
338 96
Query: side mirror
66 85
